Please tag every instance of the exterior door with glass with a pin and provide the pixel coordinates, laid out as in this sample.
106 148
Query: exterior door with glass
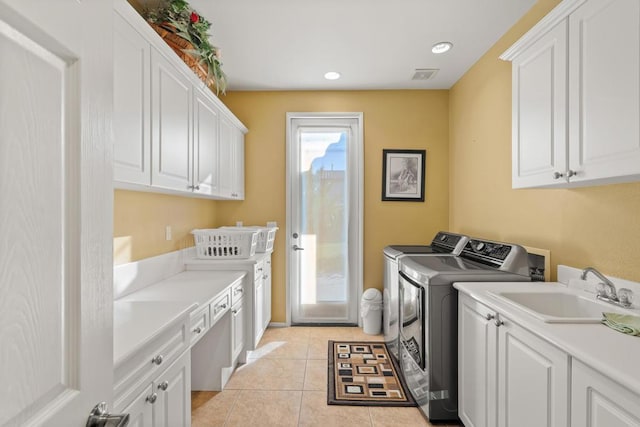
324 217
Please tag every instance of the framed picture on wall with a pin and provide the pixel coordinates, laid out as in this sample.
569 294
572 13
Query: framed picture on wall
403 175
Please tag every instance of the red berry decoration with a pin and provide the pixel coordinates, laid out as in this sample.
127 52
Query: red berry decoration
194 17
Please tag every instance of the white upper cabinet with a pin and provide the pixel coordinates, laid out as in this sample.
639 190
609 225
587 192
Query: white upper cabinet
539 115
604 90
132 105
231 161
576 96
170 125
173 135
205 144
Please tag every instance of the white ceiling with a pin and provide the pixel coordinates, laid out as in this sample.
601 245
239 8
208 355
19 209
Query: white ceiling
374 44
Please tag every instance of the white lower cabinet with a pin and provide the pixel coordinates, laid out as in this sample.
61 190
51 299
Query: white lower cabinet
237 329
477 346
173 388
257 291
259 327
507 375
533 379
167 400
597 401
140 410
266 303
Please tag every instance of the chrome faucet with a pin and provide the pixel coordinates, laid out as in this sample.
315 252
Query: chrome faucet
606 290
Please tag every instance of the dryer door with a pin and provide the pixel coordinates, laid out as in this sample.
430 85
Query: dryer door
412 315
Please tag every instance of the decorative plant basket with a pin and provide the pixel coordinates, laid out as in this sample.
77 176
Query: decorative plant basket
187 33
179 45
225 244
266 236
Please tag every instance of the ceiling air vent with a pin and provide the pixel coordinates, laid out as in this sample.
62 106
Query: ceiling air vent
424 73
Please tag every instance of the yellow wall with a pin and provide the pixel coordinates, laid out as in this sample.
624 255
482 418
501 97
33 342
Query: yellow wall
597 226
392 119
139 222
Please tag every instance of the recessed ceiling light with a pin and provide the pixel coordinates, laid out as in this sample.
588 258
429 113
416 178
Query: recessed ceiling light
332 75
441 47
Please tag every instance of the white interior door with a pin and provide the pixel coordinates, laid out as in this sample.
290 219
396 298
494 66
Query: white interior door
56 356
324 224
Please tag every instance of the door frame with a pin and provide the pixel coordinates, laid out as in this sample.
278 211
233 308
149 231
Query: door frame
359 150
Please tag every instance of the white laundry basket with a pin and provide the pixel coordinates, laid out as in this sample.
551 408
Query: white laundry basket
371 311
266 236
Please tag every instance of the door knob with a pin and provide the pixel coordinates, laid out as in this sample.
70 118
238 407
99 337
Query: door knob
297 248
99 417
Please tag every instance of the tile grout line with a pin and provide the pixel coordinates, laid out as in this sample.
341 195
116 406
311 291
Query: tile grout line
233 405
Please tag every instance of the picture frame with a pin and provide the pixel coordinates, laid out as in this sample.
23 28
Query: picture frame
403 175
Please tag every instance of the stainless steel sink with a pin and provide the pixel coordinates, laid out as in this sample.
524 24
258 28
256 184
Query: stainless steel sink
559 306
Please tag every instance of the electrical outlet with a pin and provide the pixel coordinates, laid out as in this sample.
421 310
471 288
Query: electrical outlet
167 232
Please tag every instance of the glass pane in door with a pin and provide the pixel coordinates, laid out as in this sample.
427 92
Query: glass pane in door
323 225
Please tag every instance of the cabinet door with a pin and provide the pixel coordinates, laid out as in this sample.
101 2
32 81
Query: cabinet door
141 410
173 407
131 105
477 370
533 389
596 401
258 310
604 46
238 165
171 104
226 157
539 111
205 144
266 306
237 329
231 160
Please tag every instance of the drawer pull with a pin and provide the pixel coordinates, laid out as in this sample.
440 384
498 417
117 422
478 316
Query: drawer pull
164 385
234 311
152 398
265 277
489 316
219 308
238 291
197 330
157 360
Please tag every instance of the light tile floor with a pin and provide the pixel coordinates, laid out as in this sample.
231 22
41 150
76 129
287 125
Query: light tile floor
284 383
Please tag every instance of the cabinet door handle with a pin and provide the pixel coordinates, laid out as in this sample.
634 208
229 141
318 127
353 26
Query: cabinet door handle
234 311
489 316
571 173
164 385
557 175
499 323
157 360
197 330
152 398
238 291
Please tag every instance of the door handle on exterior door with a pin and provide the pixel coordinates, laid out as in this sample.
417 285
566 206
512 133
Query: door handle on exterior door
297 248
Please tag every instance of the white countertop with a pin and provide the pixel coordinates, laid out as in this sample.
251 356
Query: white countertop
190 286
141 316
137 323
612 353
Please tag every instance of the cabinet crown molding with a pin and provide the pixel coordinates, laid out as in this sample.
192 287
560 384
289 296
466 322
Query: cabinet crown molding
560 12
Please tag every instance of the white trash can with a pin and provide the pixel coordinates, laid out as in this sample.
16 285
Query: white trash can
371 311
